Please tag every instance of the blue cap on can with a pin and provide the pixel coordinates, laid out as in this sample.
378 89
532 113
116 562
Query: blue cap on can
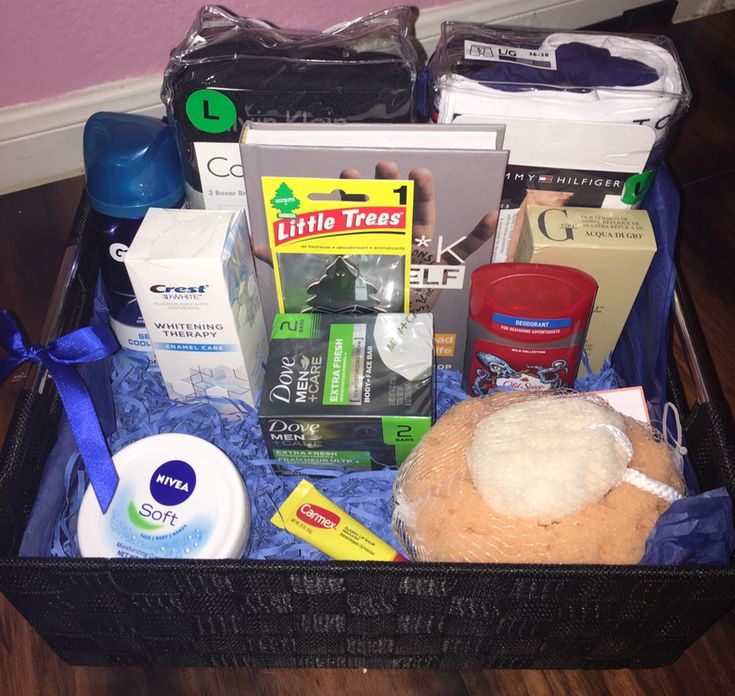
131 164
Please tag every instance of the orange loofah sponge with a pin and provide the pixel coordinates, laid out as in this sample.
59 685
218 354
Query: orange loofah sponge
445 489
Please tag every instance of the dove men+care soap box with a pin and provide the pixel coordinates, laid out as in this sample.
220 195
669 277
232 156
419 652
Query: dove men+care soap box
352 392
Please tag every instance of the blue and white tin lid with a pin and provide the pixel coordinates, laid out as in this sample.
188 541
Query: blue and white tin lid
179 497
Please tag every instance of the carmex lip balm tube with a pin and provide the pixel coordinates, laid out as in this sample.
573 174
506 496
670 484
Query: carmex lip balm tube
526 327
312 517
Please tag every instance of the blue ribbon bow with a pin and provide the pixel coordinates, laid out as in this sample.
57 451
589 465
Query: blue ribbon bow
84 345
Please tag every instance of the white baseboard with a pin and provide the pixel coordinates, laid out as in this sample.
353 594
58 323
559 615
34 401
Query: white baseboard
42 141
528 13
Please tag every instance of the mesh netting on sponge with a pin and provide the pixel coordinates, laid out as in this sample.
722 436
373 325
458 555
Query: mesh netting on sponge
534 478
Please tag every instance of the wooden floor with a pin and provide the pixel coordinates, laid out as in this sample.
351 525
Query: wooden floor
33 226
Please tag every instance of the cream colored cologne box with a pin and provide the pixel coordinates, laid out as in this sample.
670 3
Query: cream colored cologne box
615 246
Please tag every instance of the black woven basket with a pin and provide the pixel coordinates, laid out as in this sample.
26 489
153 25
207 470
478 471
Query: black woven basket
377 615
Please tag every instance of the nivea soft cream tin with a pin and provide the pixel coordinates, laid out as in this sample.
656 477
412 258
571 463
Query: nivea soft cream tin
179 497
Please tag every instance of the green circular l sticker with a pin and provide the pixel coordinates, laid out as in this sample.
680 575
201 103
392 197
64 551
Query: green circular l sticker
211 111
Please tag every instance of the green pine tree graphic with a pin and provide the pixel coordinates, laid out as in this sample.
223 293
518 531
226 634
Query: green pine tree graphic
284 201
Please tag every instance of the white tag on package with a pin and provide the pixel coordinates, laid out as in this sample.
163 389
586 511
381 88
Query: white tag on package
630 401
533 57
194 278
220 169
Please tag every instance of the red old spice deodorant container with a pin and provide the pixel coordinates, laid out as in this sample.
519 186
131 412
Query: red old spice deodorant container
526 327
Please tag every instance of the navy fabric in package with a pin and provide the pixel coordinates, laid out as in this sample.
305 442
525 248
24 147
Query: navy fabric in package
519 72
578 64
231 69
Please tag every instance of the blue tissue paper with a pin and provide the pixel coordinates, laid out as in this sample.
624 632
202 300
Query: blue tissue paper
695 530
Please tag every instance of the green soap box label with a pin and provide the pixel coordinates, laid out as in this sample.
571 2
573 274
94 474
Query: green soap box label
354 391
338 369
324 458
287 326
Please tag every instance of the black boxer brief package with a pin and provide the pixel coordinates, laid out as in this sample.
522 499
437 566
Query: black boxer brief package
230 69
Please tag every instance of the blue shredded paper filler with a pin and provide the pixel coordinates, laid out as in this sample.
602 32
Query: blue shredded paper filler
142 408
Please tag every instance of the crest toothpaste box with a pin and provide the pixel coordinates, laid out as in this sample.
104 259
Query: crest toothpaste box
193 276
345 391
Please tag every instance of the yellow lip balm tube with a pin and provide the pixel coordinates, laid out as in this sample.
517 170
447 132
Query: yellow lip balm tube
311 516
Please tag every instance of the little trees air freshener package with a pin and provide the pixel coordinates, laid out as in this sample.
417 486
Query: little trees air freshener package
346 391
339 245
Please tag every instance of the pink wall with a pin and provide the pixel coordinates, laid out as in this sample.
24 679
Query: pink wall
53 48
